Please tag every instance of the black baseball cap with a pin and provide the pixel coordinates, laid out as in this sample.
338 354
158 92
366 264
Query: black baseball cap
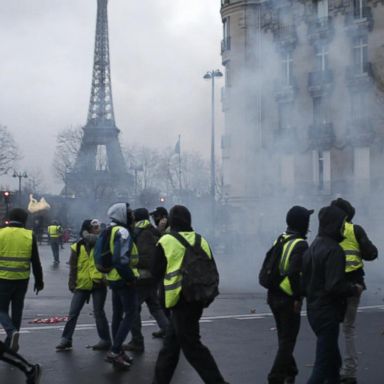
159 211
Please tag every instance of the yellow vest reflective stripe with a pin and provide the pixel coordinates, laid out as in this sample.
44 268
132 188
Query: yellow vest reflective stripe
54 231
174 253
350 245
113 275
288 247
15 253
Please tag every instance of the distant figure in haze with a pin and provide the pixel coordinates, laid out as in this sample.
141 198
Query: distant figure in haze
18 252
85 281
357 247
326 289
285 297
54 237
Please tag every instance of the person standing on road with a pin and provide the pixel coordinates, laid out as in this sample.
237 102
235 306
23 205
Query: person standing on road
122 281
326 289
54 236
357 247
183 332
85 281
284 299
145 237
18 252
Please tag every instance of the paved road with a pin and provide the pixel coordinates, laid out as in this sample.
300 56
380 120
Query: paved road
238 328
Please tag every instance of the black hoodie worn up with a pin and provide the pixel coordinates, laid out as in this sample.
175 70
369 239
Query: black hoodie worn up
324 282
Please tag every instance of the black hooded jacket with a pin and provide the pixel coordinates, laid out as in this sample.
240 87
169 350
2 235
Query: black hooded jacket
324 282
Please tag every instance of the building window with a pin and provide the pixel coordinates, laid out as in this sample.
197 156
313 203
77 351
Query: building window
320 110
322 9
360 55
287 68
226 37
358 9
285 117
322 58
322 170
359 105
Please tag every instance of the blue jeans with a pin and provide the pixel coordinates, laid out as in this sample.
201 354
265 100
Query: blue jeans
79 298
328 360
12 292
124 309
55 242
148 294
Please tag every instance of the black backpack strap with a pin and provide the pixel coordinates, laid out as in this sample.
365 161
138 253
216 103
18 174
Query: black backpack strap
184 242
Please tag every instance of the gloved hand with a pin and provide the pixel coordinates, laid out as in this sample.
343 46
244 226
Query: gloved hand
39 286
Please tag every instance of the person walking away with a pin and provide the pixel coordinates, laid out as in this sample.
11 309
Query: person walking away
85 281
54 235
183 332
284 298
160 218
122 280
145 237
18 252
32 372
326 289
357 247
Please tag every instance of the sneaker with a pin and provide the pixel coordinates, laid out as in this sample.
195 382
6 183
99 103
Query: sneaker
158 334
102 345
64 345
33 376
14 343
118 360
133 347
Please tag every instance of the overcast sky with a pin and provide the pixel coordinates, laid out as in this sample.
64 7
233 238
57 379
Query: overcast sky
160 49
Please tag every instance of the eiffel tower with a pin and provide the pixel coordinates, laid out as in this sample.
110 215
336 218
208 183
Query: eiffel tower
100 170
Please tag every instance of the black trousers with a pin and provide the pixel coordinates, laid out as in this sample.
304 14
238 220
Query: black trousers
183 334
288 325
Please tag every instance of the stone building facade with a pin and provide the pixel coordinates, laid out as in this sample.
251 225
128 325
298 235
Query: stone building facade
303 98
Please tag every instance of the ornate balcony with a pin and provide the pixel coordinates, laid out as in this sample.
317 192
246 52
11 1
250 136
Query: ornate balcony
357 23
285 36
320 82
359 77
360 132
320 28
322 136
286 92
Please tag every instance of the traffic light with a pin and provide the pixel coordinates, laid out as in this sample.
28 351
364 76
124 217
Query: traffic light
7 197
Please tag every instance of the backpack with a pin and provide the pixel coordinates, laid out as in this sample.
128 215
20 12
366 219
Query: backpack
269 275
102 252
200 277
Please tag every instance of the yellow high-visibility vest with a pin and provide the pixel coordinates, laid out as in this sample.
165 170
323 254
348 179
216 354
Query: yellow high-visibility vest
54 231
15 253
174 252
113 275
351 247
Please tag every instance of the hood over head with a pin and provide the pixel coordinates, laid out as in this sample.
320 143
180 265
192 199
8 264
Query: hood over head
180 219
19 215
345 206
298 219
121 214
331 222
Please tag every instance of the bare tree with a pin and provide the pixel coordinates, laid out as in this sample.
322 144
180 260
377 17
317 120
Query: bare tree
35 181
67 147
8 150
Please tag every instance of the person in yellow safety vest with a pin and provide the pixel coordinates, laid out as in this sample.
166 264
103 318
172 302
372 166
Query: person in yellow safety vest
122 281
85 281
183 331
357 247
54 237
145 237
285 298
18 252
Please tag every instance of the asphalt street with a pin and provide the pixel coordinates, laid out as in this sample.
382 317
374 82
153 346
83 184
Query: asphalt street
237 327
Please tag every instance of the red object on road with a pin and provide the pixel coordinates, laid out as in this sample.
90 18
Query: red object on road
50 320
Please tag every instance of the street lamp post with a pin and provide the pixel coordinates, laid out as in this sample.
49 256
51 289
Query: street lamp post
20 176
210 75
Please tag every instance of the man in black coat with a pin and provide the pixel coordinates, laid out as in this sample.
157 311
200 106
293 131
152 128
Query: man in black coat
326 289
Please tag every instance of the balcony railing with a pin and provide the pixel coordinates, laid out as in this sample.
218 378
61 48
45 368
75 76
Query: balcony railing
322 135
285 90
285 35
320 28
320 82
360 131
359 76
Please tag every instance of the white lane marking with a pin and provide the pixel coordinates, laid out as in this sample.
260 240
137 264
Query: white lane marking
149 323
